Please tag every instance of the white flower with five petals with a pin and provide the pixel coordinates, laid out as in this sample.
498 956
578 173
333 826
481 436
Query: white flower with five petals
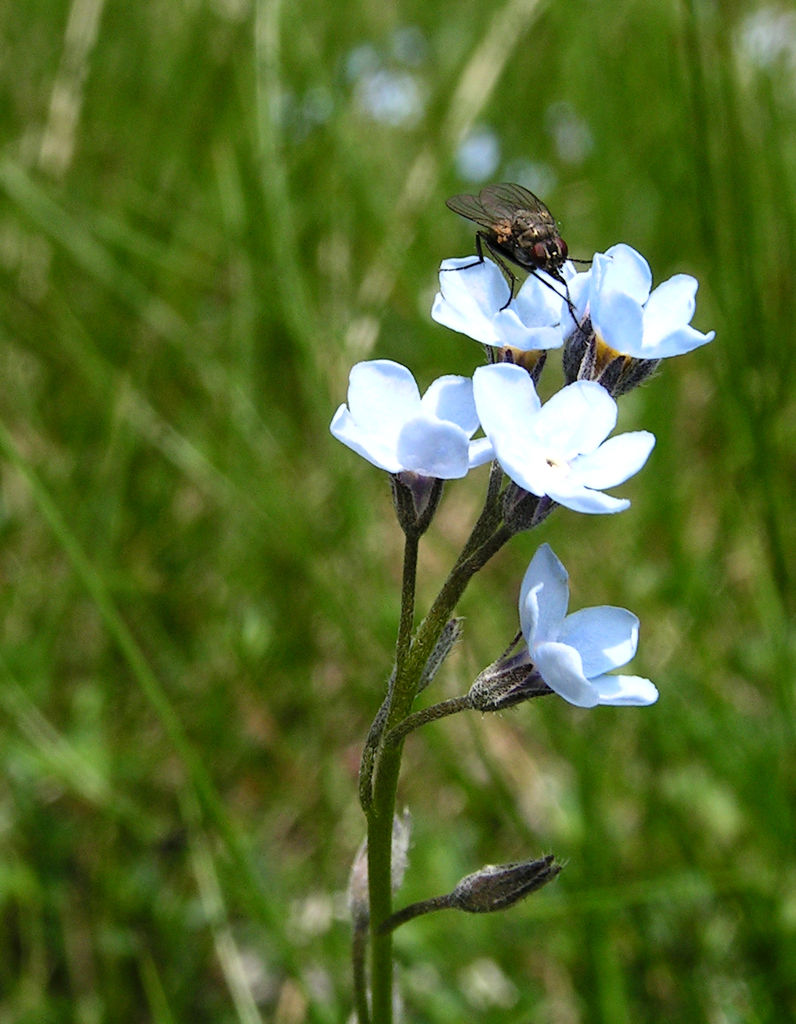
389 424
628 316
558 449
576 654
474 300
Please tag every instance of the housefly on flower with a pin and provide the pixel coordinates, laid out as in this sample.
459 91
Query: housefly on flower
517 228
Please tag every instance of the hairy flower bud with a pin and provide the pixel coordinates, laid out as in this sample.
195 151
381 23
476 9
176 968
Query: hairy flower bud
416 499
358 902
451 634
505 683
498 886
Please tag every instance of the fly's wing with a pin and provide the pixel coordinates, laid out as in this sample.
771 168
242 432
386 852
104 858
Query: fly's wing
505 200
472 208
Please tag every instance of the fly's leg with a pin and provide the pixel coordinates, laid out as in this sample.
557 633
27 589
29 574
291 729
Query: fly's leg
482 239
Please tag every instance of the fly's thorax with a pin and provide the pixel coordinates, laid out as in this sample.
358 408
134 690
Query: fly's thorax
536 242
504 232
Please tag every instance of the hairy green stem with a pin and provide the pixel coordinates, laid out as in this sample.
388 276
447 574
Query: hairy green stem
430 714
411 659
416 909
382 807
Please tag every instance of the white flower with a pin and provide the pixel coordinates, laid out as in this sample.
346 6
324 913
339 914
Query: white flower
626 317
389 424
558 449
575 653
472 298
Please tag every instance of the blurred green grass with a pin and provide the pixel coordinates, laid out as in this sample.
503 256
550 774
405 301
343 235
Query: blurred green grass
201 228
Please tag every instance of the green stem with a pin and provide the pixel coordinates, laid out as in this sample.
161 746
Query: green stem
407 603
416 909
444 604
411 658
430 714
358 958
382 807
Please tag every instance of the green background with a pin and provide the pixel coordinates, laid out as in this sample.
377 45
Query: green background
203 224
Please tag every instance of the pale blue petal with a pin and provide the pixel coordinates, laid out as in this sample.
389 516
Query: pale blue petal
434 447
529 614
615 461
605 637
579 293
377 449
561 668
623 269
524 462
619 321
582 499
506 400
451 398
514 333
539 301
547 578
480 451
469 297
382 395
670 307
576 419
634 691
684 339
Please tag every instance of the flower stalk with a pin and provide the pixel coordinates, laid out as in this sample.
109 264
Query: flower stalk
613 330
412 656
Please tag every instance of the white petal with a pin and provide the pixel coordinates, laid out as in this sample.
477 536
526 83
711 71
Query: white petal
579 293
481 451
529 614
683 340
583 499
670 307
540 300
615 461
560 667
534 320
373 447
506 400
525 463
434 447
546 579
576 419
618 320
451 398
514 333
471 293
626 271
382 395
626 690
605 637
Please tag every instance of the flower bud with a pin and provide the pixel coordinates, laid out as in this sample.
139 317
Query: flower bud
357 894
416 499
498 886
507 682
451 634
523 510
358 898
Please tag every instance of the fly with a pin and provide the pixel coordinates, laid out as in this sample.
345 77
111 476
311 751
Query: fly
517 228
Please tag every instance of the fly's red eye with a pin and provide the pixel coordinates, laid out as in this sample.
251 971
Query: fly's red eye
540 251
562 245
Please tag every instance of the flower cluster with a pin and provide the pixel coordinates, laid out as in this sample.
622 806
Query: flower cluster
613 329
